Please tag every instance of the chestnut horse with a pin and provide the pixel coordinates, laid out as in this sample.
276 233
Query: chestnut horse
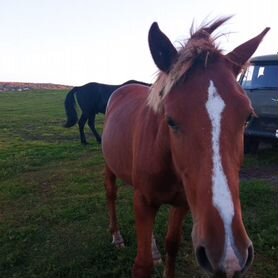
180 142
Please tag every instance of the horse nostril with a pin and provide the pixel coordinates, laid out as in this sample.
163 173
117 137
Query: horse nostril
203 260
249 258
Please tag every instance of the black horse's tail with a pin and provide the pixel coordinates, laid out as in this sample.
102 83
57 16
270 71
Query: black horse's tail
70 108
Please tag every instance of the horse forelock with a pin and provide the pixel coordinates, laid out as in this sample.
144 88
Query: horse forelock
199 49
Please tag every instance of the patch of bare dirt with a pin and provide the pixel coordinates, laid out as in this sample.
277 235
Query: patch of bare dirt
27 86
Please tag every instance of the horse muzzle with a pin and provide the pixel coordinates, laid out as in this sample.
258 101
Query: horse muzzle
229 267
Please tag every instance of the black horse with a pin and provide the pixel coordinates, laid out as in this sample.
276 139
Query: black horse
92 99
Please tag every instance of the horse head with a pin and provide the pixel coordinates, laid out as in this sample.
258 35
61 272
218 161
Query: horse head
206 110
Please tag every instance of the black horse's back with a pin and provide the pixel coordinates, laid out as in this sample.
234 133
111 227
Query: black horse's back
92 99
136 82
70 109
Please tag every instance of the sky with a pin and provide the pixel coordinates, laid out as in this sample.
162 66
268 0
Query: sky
73 42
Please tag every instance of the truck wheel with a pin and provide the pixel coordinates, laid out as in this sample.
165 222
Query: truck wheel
251 144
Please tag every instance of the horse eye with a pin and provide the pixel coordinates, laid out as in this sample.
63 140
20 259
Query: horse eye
171 123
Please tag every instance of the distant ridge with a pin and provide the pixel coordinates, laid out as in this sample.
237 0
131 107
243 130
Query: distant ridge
25 86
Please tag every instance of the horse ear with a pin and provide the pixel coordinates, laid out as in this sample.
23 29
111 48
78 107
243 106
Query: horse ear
162 50
241 54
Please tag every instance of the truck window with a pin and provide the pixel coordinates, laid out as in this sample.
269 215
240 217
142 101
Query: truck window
260 76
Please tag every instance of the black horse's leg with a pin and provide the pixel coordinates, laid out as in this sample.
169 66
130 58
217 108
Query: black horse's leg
91 123
81 123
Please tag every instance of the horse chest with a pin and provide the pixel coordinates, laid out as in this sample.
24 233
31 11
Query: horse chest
161 189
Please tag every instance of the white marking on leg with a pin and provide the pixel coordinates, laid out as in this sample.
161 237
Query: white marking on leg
155 252
221 195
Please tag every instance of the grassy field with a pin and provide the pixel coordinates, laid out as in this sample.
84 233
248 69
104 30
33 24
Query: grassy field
53 218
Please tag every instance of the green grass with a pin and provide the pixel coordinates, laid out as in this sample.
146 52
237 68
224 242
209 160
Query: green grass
53 217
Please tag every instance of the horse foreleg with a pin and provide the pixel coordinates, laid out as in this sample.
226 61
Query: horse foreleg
173 239
145 216
111 194
91 124
81 123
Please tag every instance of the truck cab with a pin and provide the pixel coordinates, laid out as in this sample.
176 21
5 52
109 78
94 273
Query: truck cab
260 82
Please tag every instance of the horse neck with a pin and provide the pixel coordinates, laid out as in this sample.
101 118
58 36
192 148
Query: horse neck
154 127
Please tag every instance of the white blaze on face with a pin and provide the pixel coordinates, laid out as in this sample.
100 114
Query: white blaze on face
221 195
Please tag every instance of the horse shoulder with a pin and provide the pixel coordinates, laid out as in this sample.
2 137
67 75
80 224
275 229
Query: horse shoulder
119 127
152 172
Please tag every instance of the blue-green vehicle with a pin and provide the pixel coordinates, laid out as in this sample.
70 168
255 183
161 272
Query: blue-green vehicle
260 82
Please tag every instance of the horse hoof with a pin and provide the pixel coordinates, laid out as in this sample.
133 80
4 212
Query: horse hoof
168 275
118 240
157 261
120 245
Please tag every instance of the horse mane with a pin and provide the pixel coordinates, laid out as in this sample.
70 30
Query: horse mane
197 49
